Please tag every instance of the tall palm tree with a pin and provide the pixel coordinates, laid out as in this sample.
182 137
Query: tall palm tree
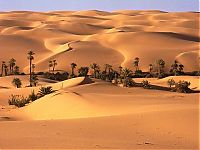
73 66
30 58
50 65
136 63
95 68
2 67
12 62
174 67
6 69
54 65
33 68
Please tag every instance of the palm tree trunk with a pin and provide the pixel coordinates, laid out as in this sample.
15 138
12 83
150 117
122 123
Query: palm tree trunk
2 70
30 72
72 71
5 71
10 69
53 68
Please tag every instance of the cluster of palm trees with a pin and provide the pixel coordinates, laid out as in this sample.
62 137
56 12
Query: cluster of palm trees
107 74
52 65
9 69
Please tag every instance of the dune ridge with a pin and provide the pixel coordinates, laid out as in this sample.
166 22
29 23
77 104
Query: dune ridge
129 33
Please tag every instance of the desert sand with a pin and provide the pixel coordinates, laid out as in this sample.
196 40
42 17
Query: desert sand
89 113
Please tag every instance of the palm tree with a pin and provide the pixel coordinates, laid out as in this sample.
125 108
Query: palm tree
54 65
17 82
150 68
107 68
50 65
120 69
180 68
136 63
161 65
16 70
30 58
34 79
6 69
2 67
174 67
95 68
33 68
73 66
83 71
12 62
171 82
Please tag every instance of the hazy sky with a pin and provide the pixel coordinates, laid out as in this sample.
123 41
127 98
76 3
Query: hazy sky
107 5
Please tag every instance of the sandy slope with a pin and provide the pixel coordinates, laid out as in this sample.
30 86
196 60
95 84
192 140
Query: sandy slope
85 114
117 37
95 114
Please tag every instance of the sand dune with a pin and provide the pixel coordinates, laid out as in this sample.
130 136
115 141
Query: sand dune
85 113
131 33
194 81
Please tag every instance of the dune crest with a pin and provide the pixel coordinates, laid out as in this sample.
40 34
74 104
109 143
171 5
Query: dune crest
129 33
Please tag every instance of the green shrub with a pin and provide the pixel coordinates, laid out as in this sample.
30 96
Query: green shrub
17 82
161 75
32 97
44 91
18 100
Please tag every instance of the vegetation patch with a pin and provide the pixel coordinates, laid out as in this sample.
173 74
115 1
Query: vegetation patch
21 101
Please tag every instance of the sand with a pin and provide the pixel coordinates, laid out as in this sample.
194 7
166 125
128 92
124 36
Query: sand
93 114
110 37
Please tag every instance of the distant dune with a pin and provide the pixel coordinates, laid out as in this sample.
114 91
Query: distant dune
102 37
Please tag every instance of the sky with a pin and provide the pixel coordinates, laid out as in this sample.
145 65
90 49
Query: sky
106 5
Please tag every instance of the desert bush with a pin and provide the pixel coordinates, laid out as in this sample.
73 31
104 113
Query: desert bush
196 73
57 76
17 82
18 100
145 84
128 82
40 73
22 73
32 97
149 76
138 74
44 91
182 87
